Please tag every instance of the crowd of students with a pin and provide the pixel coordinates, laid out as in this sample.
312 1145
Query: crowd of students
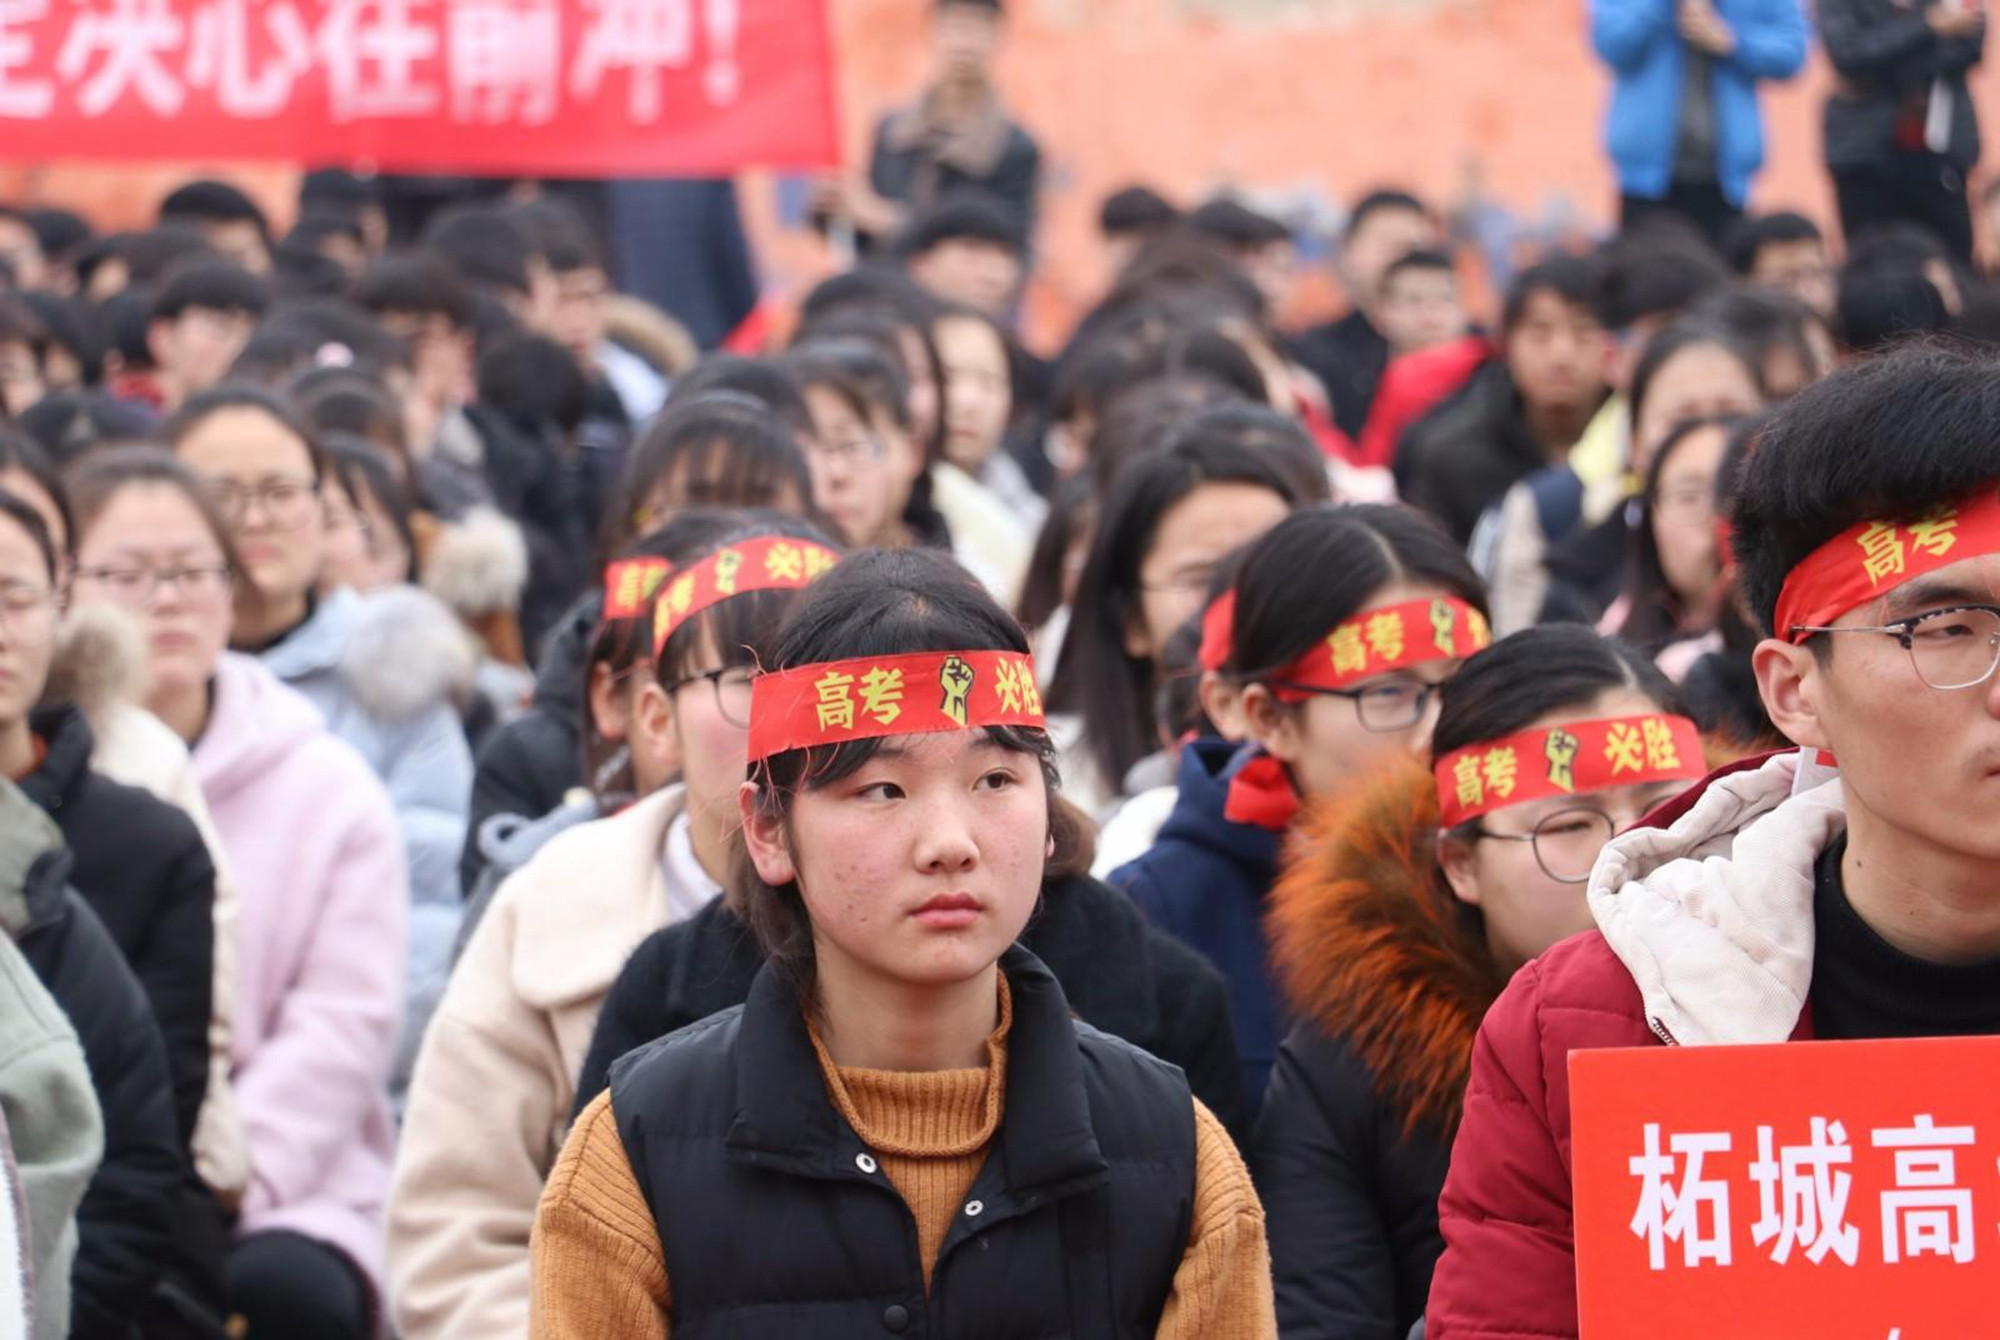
510 826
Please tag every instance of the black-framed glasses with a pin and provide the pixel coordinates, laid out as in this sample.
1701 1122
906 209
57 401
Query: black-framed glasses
1566 843
289 504
731 687
1953 648
140 586
1396 705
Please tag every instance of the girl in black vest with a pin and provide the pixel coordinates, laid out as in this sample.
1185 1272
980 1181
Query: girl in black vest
903 1131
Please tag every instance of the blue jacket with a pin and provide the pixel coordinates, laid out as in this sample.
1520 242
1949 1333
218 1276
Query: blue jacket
1204 882
1640 40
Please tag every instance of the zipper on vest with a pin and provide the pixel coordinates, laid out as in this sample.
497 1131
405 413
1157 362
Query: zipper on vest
1660 1030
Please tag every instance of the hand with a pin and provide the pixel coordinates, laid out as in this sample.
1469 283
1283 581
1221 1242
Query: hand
1949 21
1705 29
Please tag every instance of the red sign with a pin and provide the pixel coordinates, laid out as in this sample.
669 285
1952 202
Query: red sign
541 87
1831 1190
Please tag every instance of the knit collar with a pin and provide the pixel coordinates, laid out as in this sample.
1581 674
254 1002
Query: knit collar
786 1118
922 1114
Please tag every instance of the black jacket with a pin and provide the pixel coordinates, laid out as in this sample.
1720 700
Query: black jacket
1389 978
528 765
142 866
1463 456
531 484
1349 356
1075 1226
1119 974
910 168
1887 59
139 1257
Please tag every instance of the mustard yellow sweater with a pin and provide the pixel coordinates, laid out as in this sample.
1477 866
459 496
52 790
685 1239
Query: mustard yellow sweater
599 1273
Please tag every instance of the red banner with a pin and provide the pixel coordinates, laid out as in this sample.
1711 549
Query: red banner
1814 1189
529 87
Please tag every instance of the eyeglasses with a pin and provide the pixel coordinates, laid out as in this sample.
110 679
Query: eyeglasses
290 504
28 613
1955 648
731 686
1689 506
138 586
864 450
1566 843
1396 705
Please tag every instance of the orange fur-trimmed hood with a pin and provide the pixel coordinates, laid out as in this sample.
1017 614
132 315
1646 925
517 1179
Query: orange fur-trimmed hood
1371 947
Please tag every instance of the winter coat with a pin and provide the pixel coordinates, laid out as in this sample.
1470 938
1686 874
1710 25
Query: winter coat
1463 456
1414 385
129 1247
495 1082
386 671
1204 883
1705 937
1388 977
17 1266
100 666
920 163
1889 63
1349 356
1641 41
47 1099
530 764
314 842
1119 974
530 485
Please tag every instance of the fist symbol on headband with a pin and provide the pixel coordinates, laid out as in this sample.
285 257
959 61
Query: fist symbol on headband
956 677
1562 749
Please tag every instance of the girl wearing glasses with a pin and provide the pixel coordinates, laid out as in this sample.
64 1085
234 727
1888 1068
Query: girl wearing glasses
1423 895
905 1105
491 1097
1674 587
312 839
1346 620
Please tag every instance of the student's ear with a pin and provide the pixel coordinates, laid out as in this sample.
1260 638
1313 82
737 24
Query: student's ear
764 838
650 730
159 341
1455 858
1222 704
1272 724
610 716
1791 681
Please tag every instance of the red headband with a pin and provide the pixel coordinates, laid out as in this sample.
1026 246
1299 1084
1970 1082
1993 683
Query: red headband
1573 759
769 564
874 696
1867 560
1218 628
629 585
1377 641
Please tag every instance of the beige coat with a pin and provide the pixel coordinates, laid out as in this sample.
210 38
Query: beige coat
490 1098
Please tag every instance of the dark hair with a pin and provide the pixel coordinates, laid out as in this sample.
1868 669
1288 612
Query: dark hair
1145 343
1145 416
1744 240
69 423
882 603
338 189
966 216
149 255
316 228
1380 201
22 513
875 289
1890 438
1095 675
1234 224
727 449
885 332
238 395
1572 279
1888 298
1655 274
20 452
1669 342
1072 517
419 285
128 322
357 464
75 329
764 380
1351 553
1653 608
350 403
1763 321
214 285
863 376
1423 258
483 245
534 381
214 202
60 232
1520 679
1178 267
558 232
331 331
19 324
1136 209
99 477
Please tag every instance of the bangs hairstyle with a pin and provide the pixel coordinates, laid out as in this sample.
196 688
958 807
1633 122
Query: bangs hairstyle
237 395
97 479
724 449
1538 671
883 603
1318 568
739 630
20 452
868 380
23 514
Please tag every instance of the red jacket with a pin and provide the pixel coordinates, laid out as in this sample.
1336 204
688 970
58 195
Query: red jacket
1724 947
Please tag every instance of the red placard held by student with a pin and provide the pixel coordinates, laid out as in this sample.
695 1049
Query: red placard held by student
1813 1189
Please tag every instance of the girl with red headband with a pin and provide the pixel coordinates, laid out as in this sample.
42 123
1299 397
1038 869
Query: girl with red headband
903 1129
1424 893
1344 623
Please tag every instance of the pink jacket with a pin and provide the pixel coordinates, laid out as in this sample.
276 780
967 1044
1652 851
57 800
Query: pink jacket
320 930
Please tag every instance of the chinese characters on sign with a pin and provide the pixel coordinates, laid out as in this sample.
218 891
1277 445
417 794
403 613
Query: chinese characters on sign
551 86
1808 1189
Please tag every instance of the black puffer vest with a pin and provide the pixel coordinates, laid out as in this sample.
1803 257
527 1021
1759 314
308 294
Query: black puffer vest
777 1222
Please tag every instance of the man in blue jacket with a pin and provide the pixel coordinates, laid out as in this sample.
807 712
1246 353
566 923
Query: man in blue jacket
1685 131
